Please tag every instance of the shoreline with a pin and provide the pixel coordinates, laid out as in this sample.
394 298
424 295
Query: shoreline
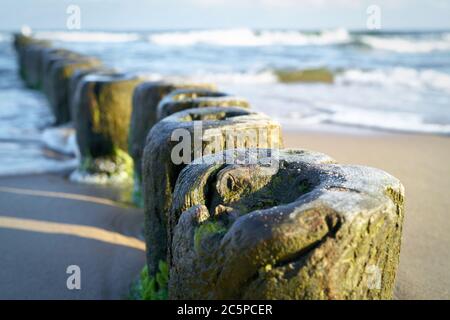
353 130
51 222
67 159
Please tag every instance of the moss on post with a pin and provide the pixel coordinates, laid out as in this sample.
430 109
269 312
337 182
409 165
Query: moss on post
205 230
76 79
102 119
29 56
222 128
306 229
50 57
32 69
58 85
146 98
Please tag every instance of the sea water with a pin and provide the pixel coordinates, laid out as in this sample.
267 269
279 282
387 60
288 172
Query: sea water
395 81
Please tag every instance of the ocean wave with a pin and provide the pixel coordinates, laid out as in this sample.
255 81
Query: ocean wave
395 77
88 36
28 157
346 116
405 45
236 77
5 37
407 77
61 139
248 37
314 75
389 121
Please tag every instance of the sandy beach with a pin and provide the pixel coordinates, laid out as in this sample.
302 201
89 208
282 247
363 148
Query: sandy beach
421 163
91 111
48 223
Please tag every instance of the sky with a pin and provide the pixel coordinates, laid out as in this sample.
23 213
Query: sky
193 14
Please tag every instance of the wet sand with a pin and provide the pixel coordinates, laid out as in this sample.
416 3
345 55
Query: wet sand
48 223
422 163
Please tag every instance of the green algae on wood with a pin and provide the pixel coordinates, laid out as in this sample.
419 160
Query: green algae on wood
76 78
58 90
336 236
206 229
29 55
116 168
220 129
146 98
102 115
51 57
31 70
151 287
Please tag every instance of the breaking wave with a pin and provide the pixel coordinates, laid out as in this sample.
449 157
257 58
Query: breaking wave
88 36
248 37
245 37
406 77
392 77
405 45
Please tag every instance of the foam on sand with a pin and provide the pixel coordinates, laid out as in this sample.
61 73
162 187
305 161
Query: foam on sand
61 139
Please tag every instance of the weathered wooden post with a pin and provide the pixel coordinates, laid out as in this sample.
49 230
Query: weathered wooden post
59 84
146 99
102 120
76 79
184 99
306 228
29 57
175 141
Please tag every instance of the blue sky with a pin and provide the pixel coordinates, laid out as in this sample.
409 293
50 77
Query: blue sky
185 14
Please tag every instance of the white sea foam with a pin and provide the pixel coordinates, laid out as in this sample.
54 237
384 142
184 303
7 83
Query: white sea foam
403 45
61 139
30 158
299 106
80 176
88 36
392 121
248 37
393 77
5 37
417 79
37 166
348 117
23 150
25 154
406 98
236 77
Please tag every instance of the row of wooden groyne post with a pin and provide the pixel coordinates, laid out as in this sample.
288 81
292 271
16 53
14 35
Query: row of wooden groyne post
233 213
